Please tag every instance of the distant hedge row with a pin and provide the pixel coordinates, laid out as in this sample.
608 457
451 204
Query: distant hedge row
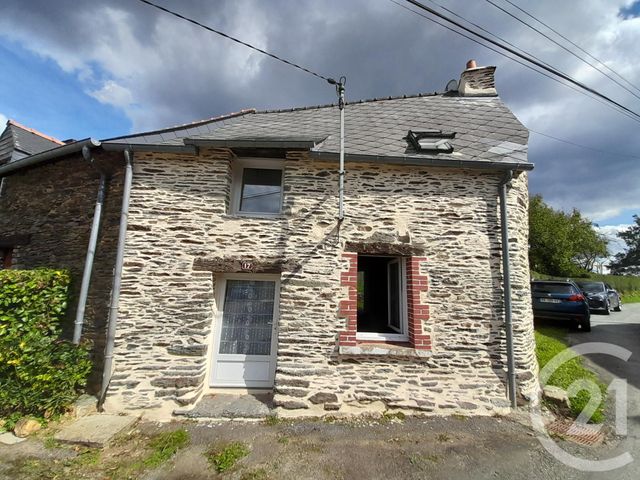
623 284
40 374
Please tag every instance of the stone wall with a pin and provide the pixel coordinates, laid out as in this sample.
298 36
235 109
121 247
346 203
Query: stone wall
52 206
181 238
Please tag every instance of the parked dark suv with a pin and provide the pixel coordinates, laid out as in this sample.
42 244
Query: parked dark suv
560 300
601 297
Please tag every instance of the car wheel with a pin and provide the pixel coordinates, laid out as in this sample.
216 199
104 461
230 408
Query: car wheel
585 325
606 311
619 307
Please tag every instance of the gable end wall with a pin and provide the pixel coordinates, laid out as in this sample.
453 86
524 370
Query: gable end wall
179 223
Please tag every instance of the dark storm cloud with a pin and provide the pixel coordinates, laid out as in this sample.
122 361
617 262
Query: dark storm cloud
161 71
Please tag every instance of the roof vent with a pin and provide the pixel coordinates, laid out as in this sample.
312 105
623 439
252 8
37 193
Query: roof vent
430 141
477 81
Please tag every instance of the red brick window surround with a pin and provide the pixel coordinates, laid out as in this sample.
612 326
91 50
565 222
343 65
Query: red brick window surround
417 312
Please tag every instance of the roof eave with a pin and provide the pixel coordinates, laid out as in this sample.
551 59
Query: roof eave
426 161
149 147
253 143
47 155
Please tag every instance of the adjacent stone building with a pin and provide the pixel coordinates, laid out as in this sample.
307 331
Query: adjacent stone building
238 274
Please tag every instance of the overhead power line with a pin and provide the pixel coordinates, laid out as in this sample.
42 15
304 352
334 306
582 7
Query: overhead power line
537 30
526 65
617 154
579 145
526 58
572 43
253 47
480 27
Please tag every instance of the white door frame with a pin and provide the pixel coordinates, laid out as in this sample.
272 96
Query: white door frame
221 289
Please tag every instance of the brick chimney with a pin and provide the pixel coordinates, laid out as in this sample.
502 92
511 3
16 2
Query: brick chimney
477 81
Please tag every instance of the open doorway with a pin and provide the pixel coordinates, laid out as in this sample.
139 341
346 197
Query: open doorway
382 309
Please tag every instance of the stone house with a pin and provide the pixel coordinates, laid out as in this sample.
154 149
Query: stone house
18 141
232 270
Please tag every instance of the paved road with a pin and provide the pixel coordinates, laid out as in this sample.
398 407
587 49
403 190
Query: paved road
621 329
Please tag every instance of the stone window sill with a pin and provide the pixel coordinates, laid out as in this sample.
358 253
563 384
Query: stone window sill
383 349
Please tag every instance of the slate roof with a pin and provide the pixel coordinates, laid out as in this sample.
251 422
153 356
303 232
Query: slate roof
486 130
18 141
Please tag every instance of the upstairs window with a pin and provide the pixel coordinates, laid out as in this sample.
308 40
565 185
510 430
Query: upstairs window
257 187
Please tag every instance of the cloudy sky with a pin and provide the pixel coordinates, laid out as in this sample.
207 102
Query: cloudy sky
104 68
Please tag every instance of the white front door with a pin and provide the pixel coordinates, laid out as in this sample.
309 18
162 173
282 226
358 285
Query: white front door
244 353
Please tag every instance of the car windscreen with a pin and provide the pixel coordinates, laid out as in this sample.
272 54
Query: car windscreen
562 288
592 287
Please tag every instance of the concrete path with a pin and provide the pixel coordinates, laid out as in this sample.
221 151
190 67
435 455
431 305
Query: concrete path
257 405
94 430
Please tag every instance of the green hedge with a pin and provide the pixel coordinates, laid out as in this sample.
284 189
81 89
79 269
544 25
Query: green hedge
622 283
39 373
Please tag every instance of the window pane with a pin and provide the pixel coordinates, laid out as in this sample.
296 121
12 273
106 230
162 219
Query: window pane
247 321
261 190
562 288
394 295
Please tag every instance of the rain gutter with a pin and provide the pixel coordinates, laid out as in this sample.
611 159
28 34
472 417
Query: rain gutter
425 161
48 155
148 147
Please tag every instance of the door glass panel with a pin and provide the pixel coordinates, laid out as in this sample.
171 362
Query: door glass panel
247 319
393 270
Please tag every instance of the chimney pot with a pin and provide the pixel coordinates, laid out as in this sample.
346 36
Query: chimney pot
471 64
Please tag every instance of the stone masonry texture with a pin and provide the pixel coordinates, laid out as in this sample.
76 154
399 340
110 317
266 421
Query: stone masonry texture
53 206
181 238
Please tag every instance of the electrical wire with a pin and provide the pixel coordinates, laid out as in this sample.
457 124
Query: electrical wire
480 27
264 52
530 67
491 2
572 43
582 92
616 154
524 57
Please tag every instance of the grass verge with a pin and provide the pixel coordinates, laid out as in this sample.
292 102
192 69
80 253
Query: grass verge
631 297
164 446
550 342
225 457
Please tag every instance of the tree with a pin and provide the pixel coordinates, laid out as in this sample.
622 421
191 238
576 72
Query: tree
628 262
562 244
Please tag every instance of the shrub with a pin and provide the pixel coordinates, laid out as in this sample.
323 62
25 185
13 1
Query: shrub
39 373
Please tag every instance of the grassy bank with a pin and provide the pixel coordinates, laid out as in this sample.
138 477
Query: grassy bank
631 297
550 342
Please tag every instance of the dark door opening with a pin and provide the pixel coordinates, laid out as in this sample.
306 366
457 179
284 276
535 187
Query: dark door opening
380 287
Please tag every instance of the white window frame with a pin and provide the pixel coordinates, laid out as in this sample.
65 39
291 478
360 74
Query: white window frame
238 167
404 313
